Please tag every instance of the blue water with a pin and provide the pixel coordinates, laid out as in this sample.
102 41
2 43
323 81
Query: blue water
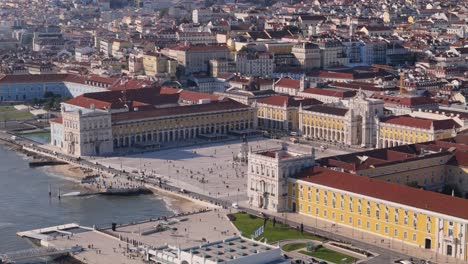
25 203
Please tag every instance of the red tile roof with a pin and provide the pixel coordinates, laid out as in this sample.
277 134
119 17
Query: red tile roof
85 102
331 92
281 100
404 101
180 110
57 120
29 78
101 79
192 96
326 109
131 84
358 85
148 96
272 154
421 122
288 83
387 191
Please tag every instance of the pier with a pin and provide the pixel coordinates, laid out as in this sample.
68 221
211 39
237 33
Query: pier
149 239
12 257
44 236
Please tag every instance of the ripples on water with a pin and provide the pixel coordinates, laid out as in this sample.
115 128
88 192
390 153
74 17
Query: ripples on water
25 204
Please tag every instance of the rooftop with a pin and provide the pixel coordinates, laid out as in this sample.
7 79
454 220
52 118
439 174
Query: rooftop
180 110
387 191
328 109
283 100
423 123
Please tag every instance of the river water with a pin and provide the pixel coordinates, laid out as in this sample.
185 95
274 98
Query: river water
25 203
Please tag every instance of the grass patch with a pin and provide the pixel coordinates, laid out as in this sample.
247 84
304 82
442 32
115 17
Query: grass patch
44 134
7 108
14 115
293 246
41 137
329 255
248 224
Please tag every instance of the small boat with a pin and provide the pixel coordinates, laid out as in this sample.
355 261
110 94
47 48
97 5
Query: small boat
71 194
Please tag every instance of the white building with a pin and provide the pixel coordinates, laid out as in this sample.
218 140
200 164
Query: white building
257 64
307 55
202 15
83 54
235 250
268 172
85 132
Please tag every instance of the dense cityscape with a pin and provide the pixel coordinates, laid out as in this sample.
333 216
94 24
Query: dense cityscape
270 132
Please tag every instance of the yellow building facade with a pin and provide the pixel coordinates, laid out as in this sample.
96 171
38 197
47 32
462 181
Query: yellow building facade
280 112
157 64
324 126
402 130
181 123
420 227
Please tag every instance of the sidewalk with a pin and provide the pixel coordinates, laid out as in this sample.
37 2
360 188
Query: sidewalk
365 237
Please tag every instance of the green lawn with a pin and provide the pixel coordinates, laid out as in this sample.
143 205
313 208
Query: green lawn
329 255
41 137
7 108
14 115
293 246
248 224
45 134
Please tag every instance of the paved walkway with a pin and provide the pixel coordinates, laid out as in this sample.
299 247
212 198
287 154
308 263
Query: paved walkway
388 249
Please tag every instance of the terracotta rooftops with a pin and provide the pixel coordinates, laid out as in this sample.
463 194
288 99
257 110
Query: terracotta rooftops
186 95
179 110
57 120
272 154
358 85
327 109
423 123
387 191
282 100
340 93
408 101
375 158
130 84
29 78
143 97
288 83
93 80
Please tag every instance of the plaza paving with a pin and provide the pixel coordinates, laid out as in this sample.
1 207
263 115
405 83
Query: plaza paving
204 169
183 231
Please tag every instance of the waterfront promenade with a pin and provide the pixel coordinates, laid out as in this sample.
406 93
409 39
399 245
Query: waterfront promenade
128 243
388 250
